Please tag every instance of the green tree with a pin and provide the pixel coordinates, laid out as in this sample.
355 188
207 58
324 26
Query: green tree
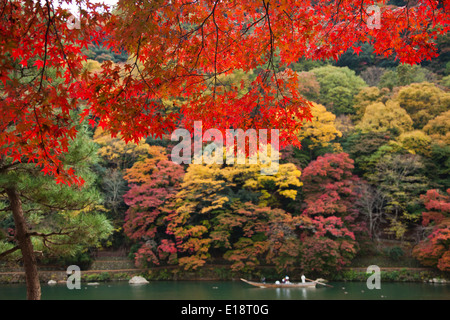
438 165
404 75
445 81
115 157
401 179
338 86
53 219
306 65
388 80
362 146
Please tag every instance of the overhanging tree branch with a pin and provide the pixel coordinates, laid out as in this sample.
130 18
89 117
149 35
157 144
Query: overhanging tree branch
7 252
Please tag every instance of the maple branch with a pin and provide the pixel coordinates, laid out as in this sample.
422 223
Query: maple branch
335 16
361 10
45 44
217 46
201 50
63 51
135 65
203 22
200 27
42 144
202 78
31 21
266 16
3 8
243 32
292 25
272 45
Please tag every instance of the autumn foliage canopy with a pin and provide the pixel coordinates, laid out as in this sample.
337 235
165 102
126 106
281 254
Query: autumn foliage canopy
178 50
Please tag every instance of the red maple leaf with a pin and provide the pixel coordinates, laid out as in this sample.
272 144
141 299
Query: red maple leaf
39 64
357 50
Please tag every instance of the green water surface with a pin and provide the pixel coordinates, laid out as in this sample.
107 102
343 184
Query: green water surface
231 290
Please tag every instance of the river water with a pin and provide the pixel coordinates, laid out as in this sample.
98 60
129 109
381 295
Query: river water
231 290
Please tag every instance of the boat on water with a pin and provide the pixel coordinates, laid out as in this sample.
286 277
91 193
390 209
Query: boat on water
310 284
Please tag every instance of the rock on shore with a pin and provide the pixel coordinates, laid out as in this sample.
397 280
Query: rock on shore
138 280
438 280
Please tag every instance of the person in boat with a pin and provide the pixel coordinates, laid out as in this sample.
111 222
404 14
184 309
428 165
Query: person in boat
303 278
285 280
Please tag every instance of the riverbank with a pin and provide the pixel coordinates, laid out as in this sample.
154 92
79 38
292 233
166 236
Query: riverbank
224 273
113 266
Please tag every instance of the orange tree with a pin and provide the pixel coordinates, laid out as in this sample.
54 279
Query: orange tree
235 213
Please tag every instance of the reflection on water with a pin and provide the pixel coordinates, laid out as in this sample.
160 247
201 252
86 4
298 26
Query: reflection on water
232 290
292 293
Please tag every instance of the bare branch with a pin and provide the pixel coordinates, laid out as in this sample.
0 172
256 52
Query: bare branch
5 253
45 235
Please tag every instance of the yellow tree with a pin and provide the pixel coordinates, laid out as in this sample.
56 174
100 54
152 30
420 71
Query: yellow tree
321 130
416 141
423 101
92 65
439 128
115 151
222 209
387 116
367 96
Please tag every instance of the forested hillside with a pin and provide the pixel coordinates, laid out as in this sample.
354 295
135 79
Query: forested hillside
373 166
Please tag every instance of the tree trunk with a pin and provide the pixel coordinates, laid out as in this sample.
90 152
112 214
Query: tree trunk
25 245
